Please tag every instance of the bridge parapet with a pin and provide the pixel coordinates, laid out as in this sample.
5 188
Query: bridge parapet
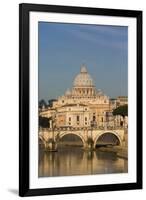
54 135
82 128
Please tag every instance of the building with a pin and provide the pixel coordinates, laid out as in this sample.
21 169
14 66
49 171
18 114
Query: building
122 100
82 105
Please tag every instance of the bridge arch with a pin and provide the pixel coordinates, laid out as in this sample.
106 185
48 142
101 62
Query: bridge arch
105 133
75 134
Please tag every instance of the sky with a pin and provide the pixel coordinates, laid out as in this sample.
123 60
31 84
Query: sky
63 48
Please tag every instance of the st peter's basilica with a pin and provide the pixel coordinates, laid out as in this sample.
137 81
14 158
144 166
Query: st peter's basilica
83 105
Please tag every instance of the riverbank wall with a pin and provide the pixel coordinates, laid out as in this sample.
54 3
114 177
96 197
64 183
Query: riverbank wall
120 151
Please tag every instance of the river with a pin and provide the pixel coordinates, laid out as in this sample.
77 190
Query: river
70 161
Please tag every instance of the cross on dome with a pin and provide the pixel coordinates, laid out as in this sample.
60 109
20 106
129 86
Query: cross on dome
83 68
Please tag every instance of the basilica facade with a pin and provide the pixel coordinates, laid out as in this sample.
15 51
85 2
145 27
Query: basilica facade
82 105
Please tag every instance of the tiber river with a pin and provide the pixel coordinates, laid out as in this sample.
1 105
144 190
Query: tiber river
73 160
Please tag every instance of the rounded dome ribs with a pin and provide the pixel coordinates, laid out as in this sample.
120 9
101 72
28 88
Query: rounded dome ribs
83 85
83 79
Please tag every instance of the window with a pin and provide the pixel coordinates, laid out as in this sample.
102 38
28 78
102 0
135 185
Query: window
94 118
85 118
69 119
78 118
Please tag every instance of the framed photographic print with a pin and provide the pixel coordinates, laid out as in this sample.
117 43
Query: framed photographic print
80 99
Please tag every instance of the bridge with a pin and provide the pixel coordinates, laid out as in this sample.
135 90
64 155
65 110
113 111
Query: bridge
90 137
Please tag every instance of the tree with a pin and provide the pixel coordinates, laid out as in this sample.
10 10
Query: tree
122 111
44 122
42 103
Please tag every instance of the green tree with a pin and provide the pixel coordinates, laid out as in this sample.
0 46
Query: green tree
44 122
42 103
122 111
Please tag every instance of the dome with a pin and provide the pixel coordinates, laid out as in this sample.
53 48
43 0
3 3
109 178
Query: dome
83 79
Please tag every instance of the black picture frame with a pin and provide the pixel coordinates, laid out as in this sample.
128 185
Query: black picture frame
24 173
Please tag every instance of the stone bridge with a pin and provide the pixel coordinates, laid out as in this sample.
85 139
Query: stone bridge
90 137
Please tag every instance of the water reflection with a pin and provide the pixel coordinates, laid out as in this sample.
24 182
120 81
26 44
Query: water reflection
76 161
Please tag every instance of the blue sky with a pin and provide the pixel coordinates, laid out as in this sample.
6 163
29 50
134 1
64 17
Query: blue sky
63 48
